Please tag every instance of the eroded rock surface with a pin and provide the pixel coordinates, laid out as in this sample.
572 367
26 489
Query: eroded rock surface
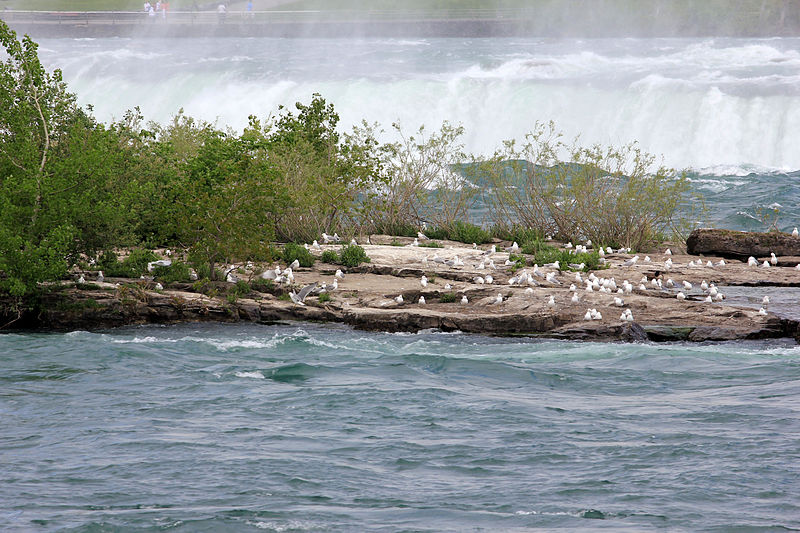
366 298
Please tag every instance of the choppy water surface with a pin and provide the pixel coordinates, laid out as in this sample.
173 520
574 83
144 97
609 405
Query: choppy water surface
321 428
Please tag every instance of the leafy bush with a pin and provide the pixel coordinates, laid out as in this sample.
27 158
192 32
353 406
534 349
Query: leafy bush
546 253
262 285
176 272
240 288
324 297
430 244
603 194
462 232
517 234
294 251
132 267
353 255
447 298
329 256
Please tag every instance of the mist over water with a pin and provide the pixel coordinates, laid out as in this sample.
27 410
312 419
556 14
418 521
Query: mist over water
723 106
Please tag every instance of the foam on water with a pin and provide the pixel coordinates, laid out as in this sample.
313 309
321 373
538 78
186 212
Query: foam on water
700 103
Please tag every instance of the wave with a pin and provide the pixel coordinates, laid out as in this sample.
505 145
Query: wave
700 103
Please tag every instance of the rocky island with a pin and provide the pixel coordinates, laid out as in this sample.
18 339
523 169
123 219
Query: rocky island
666 296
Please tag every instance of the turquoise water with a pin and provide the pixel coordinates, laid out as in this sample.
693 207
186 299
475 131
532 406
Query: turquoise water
304 427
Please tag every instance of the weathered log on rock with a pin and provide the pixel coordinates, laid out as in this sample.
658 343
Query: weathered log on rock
741 244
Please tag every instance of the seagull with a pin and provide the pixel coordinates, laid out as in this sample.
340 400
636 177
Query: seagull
765 301
681 296
160 263
231 277
601 252
491 250
464 300
554 264
300 297
326 238
752 261
421 236
159 287
479 280
295 264
709 264
721 263
399 298
447 287
489 280
762 311
353 242
765 264
632 261
336 238
330 287
588 315
773 259
193 275
315 245
575 299
795 233
551 302
708 299
498 299
687 285
568 245
81 279
668 252
647 259
100 277
421 300
514 248
618 302
704 285
339 274
415 243
269 274
423 281
529 291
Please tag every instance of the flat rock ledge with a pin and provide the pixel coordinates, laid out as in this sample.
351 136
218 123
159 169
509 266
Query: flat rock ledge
366 296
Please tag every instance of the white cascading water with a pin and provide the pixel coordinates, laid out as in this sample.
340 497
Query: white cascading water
727 106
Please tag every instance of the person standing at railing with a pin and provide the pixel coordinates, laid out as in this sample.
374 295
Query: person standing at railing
164 8
221 10
147 7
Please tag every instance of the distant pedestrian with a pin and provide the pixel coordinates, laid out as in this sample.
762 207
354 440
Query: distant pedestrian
221 10
250 9
147 7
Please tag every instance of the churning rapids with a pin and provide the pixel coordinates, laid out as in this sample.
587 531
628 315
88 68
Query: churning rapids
322 428
729 109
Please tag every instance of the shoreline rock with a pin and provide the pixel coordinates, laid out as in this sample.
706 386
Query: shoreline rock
366 300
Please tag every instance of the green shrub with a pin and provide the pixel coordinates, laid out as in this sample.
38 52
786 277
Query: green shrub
324 297
329 256
353 255
262 285
294 251
132 267
447 298
550 254
518 234
430 244
462 232
240 288
176 272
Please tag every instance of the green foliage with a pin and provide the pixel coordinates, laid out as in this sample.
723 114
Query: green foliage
262 285
353 255
603 194
132 266
177 272
430 244
330 256
544 253
517 234
240 288
324 297
447 298
461 231
294 251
